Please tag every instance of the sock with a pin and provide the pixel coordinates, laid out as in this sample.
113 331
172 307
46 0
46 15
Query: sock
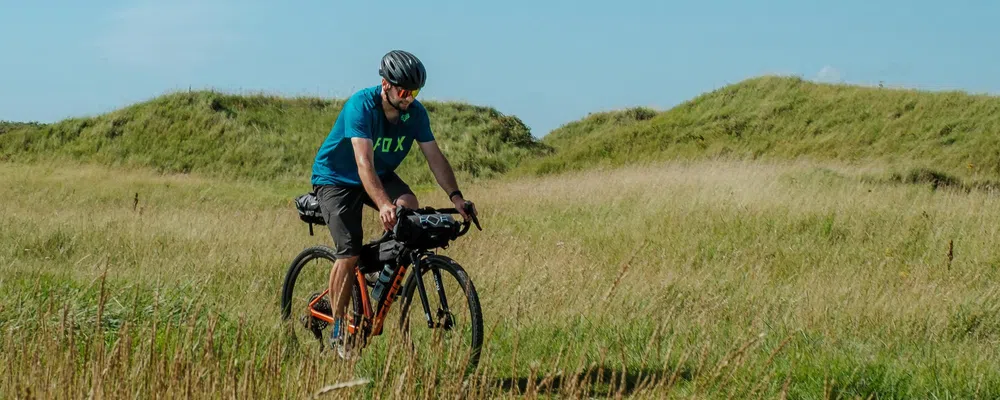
337 327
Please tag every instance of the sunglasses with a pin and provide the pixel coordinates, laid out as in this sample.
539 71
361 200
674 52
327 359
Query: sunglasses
403 93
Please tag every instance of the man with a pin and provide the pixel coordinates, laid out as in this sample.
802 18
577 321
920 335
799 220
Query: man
355 165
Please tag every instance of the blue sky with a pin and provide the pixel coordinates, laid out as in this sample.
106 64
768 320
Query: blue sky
548 62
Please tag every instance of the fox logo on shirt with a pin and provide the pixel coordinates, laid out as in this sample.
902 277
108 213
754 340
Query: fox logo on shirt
383 145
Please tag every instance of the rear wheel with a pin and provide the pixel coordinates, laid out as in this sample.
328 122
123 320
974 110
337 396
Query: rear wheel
307 277
443 321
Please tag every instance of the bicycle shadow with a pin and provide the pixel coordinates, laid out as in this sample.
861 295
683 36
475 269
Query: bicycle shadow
599 381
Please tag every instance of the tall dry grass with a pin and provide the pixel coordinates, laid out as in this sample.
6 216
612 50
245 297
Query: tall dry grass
707 279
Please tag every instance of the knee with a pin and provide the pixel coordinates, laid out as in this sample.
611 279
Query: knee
408 201
346 262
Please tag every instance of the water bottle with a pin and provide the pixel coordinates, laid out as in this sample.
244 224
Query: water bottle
382 284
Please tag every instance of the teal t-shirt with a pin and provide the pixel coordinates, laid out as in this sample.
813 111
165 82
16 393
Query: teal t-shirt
362 116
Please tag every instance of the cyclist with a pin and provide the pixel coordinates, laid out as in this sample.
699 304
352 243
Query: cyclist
355 165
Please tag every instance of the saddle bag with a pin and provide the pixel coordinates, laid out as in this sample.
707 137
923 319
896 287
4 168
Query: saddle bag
309 210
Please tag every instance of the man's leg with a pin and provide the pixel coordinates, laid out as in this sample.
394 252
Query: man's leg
341 285
399 191
408 201
342 213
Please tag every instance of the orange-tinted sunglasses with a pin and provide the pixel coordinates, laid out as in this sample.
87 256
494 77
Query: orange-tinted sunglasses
403 93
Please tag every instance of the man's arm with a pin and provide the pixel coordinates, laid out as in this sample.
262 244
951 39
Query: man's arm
443 173
364 156
445 176
440 167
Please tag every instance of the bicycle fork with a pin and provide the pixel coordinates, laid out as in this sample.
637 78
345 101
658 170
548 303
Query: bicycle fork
443 311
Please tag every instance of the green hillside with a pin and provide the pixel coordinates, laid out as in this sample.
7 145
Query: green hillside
596 124
256 136
787 118
941 136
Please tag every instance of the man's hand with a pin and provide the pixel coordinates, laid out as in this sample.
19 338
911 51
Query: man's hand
460 205
387 214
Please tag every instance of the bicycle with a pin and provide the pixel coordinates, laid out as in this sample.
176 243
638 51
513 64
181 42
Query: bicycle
408 247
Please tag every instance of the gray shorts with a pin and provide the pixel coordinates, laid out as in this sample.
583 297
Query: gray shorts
341 208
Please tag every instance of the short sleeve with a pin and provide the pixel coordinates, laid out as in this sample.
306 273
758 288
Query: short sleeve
423 132
356 121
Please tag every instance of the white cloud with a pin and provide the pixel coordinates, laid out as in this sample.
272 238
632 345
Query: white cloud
167 35
828 74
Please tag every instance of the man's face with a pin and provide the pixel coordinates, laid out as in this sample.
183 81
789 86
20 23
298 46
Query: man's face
402 98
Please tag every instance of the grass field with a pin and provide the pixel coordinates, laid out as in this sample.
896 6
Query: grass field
705 279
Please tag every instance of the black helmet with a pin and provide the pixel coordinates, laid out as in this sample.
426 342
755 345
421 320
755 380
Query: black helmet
401 68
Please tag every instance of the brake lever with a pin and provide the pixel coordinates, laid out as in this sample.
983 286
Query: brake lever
469 210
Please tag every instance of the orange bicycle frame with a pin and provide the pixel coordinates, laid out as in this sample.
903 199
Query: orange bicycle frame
377 319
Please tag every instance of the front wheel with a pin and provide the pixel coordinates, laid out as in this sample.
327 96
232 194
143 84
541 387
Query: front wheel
446 316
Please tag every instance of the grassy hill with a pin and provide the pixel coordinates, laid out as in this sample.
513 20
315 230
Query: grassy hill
787 118
946 137
255 136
